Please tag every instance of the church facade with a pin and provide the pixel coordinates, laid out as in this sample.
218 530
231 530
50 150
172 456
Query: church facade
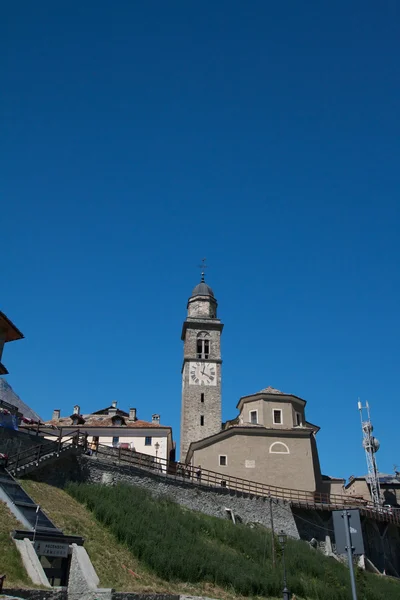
270 441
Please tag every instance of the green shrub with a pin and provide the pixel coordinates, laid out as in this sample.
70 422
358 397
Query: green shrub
182 545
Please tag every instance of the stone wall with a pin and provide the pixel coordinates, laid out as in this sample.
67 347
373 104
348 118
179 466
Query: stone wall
213 502
36 594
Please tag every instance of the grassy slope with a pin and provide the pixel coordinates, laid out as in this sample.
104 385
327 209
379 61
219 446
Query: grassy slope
322 577
10 559
108 556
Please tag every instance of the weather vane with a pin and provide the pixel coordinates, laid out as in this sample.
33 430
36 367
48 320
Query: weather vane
203 266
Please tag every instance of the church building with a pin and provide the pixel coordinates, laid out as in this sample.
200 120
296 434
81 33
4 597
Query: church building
270 441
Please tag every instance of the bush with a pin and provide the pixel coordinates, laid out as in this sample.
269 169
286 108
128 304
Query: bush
182 545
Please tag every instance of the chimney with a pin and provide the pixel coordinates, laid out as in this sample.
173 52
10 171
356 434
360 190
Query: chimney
56 414
113 409
132 414
155 419
77 410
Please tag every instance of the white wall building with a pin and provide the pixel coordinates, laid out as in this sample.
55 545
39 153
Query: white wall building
116 428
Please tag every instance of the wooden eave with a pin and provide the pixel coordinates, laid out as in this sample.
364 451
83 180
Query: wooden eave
12 332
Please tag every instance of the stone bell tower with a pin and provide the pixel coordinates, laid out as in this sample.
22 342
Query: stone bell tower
201 369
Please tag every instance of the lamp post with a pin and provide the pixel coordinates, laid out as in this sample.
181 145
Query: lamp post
282 537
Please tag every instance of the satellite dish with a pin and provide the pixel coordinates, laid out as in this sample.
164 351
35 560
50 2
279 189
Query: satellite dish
372 444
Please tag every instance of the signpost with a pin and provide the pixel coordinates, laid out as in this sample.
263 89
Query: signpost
348 536
44 548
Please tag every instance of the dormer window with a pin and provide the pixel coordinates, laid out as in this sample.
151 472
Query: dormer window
117 421
277 416
203 345
77 419
253 417
299 420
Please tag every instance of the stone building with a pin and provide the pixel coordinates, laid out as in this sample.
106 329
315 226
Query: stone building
201 368
270 441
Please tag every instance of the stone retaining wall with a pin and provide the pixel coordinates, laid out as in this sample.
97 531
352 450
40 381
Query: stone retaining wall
213 502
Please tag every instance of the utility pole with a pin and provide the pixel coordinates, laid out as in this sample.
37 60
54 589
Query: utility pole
349 549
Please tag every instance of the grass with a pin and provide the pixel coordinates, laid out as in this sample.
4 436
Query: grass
140 544
181 545
10 558
113 561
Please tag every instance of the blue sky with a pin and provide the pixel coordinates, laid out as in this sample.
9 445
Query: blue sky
138 137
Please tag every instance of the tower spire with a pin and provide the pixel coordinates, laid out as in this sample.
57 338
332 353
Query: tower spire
203 266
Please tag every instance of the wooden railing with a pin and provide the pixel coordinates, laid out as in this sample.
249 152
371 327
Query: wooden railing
46 447
187 474
206 478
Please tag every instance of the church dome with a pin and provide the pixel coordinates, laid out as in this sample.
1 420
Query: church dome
202 289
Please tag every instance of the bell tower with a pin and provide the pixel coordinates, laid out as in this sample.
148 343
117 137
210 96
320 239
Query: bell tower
201 369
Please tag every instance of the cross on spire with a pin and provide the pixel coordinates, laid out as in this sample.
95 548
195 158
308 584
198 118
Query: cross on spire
203 266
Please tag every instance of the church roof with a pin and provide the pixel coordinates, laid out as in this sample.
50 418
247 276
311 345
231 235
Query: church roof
272 390
8 395
202 289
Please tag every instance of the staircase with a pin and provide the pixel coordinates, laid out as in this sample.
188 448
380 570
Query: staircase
22 505
46 452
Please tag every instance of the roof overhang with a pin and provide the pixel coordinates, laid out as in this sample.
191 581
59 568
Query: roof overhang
298 432
3 370
12 332
270 398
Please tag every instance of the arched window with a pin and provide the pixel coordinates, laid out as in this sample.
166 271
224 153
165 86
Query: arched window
278 448
203 345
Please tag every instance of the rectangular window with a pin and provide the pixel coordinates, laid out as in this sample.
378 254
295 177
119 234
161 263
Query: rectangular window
223 460
115 441
277 416
202 398
203 348
253 417
298 419
202 420
147 441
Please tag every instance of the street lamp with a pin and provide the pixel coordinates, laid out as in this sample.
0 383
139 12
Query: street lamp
282 537
157 447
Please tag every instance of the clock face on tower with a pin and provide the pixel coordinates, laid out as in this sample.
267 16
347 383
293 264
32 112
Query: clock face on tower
202 373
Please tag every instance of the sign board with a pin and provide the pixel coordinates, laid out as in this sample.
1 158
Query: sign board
51 549
355 531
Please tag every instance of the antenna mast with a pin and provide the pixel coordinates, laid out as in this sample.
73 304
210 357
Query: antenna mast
371 446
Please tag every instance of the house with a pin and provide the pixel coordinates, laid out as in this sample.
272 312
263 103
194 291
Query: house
111 426
8 333
389 485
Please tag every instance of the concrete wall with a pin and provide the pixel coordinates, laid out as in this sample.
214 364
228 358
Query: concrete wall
254 456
